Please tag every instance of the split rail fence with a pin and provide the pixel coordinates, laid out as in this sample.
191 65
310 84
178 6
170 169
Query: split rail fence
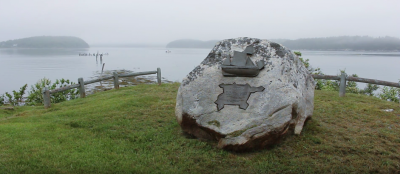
81 84
343 78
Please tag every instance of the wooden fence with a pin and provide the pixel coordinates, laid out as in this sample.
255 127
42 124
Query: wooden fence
81 84
343 78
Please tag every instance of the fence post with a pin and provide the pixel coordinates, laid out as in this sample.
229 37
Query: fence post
159 76
342 87
46 97
116 84
81 87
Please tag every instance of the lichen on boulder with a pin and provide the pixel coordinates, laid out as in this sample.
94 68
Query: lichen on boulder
244 113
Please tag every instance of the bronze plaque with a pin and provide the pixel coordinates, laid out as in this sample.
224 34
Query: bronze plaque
241 65
235 94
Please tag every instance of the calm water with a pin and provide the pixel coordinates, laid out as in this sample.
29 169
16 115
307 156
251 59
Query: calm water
18 67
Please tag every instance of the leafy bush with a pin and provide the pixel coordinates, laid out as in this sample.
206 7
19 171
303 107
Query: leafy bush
64 95
16 98
329 85
1 100
297 53
390 94
351 86
35 96
369 89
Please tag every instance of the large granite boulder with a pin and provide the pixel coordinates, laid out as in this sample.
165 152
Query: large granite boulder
246 94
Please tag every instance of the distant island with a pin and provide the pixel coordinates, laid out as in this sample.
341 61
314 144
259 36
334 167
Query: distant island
46 42
325 43
191 43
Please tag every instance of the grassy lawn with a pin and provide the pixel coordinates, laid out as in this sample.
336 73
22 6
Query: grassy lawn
133 130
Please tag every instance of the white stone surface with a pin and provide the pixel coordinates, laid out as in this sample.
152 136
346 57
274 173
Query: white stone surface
286 102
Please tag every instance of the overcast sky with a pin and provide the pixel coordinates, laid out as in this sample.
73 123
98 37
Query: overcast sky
161 21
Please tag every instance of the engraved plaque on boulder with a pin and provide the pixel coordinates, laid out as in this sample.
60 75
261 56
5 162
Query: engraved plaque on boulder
241 65
235 94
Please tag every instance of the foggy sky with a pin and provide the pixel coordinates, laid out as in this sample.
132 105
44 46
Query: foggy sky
162 21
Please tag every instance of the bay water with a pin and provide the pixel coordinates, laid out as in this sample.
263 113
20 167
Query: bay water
27 66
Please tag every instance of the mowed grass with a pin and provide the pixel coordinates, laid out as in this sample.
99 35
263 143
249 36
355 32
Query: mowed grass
134 130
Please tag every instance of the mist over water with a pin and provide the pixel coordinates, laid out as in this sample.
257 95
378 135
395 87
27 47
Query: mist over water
372 65
142 23
27 66
160 21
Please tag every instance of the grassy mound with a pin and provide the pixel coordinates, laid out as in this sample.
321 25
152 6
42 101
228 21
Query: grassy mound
133 129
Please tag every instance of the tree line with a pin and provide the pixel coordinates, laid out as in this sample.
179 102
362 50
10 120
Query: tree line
343 43
324 43
45 42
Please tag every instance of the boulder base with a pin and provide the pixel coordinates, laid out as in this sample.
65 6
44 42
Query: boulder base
243 113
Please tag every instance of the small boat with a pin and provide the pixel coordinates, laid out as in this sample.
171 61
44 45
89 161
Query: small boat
241 65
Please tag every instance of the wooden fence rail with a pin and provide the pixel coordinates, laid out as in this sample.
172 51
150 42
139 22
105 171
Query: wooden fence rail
81 84
343 78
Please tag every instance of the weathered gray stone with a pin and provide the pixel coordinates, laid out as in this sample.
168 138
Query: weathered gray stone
284 100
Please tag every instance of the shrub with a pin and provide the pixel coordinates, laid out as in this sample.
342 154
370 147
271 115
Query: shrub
64 95
16 98
390 94
351 86
35 96
369 89
1 100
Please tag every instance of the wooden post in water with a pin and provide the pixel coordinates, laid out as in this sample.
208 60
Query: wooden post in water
81 87
342 87
159 76
116 84
46 97
101 75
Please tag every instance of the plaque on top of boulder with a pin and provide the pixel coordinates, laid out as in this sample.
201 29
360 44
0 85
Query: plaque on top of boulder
246 94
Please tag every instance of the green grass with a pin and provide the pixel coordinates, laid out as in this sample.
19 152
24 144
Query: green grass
133 130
